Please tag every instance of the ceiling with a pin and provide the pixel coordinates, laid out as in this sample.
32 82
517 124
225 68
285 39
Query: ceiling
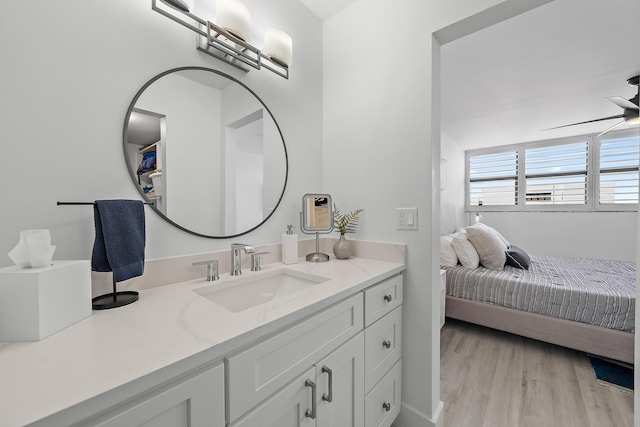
549 67
324 9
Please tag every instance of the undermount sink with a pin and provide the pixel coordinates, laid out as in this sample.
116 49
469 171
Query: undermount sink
244 293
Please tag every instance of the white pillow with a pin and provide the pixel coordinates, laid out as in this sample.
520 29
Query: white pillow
465 251
448 257
500 236
491 249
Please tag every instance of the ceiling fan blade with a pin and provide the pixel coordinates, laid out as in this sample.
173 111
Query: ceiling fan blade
611 128
623 103
619 116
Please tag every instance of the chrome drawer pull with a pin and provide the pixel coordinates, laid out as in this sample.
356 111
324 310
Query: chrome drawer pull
386 344
311 413
328 397
388 298
386 406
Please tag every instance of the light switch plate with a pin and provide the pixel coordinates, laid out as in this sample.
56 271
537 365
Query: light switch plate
407 218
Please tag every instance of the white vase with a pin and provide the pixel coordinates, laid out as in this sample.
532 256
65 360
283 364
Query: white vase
343 248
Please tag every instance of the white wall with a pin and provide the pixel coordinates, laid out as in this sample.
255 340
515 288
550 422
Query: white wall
65 91
452 198
381 137
604 235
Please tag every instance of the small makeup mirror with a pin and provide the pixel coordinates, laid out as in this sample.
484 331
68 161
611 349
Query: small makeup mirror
316 217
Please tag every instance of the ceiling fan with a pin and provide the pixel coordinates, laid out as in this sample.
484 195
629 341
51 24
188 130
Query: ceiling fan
629 106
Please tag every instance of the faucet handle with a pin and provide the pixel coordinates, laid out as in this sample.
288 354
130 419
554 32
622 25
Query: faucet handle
248 249
255 260
212 269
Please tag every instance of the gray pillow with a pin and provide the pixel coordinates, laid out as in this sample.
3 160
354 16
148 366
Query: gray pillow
518 258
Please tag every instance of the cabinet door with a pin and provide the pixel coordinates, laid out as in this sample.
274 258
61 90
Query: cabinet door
340 397
287 408
196 402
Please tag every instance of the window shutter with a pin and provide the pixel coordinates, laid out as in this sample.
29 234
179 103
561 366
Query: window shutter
556 174
619 159
493 179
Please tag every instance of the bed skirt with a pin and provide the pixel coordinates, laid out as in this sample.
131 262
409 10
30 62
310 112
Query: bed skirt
591 339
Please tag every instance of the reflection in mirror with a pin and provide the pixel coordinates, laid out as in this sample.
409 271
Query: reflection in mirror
207 151
316 217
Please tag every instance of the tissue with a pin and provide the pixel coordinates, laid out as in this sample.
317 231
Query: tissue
34 249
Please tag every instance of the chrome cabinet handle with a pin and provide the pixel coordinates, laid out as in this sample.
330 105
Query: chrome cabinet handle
311 413
388 298
328 397
386 344
386 406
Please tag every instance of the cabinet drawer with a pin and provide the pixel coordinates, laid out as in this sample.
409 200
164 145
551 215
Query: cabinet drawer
383 343
261 370
382 404
382 298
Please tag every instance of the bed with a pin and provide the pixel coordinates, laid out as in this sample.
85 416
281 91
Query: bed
584 304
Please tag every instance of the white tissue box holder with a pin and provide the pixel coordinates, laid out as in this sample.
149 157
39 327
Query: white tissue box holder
38 302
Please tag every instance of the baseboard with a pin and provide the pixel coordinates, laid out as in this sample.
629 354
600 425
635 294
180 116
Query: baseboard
409 417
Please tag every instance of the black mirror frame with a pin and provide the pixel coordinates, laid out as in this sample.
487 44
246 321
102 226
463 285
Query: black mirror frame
134 179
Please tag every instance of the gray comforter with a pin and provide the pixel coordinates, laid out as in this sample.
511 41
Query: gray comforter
597 292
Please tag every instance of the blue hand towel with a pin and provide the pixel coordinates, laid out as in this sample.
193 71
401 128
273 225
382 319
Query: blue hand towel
120 238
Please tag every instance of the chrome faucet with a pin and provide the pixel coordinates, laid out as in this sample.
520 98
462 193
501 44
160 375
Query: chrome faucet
236 257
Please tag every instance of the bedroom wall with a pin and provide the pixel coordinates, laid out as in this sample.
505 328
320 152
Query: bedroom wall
453 215
604 235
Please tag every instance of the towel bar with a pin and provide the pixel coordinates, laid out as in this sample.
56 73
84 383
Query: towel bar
114 299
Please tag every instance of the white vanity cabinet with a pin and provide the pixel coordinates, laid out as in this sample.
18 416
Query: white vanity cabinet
338 368
192 402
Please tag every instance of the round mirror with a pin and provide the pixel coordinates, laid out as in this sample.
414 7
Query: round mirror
205 152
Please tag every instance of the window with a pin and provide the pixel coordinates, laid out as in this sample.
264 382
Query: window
577 174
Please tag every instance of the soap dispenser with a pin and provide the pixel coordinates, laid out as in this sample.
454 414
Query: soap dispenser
289 246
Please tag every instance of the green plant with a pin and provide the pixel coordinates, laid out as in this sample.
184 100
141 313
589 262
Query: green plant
345 223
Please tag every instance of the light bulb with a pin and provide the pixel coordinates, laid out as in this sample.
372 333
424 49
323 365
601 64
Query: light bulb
633 120
235 18
278 47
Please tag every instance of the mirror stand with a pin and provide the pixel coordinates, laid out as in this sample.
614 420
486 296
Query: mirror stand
316 217
317 256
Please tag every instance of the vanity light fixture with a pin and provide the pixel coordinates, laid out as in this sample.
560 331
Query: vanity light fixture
227 40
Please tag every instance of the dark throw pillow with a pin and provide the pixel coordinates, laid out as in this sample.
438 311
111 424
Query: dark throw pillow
518 258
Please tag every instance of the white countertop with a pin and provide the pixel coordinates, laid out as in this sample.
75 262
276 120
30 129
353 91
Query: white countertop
167 325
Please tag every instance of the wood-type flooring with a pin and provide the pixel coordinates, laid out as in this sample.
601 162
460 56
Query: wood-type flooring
496 379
